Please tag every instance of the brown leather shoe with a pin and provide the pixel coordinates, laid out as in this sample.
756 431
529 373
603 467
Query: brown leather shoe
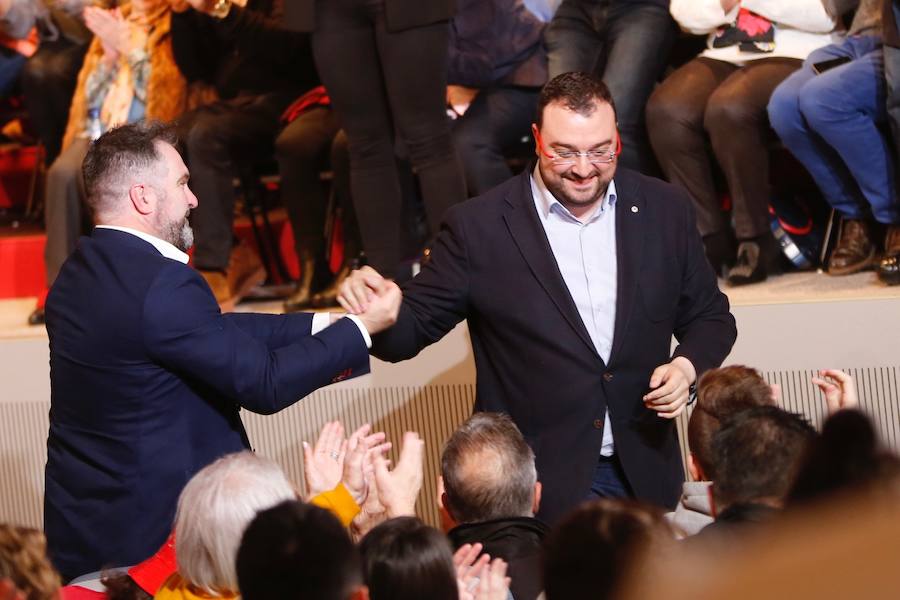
854 251
889 267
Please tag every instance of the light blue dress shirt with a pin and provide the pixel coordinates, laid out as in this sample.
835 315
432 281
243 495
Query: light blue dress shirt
585 251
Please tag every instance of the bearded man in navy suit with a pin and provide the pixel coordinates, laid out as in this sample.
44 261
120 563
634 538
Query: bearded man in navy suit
147 376
573 277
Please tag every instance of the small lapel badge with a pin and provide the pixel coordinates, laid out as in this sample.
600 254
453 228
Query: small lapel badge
634 209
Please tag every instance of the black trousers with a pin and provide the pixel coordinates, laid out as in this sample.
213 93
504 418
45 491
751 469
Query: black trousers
217 139
379 81
48 82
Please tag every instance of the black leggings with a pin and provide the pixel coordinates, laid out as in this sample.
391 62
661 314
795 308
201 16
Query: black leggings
380 80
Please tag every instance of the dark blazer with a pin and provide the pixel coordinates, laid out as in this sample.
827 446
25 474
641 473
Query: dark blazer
300 15
147 379
492 264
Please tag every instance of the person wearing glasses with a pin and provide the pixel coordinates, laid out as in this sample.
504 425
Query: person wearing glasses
573 276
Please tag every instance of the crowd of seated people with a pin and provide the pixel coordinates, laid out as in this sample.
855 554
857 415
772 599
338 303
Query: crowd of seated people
245 86
243 530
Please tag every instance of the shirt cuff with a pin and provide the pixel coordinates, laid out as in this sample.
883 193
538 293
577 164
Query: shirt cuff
323 319
362 329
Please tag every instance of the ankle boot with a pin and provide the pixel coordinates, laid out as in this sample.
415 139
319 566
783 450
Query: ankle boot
300 297
757 258
889 267
855 249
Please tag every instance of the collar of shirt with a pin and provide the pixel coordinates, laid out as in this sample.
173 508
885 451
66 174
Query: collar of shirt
164 247
548 203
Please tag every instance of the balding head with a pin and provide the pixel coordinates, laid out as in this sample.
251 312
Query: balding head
488 470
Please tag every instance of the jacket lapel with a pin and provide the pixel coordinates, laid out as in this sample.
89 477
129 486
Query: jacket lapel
529 236
630 231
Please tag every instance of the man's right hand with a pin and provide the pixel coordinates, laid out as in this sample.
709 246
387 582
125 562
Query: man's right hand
374 299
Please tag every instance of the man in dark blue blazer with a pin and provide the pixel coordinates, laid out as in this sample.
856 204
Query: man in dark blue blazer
574 277
147 376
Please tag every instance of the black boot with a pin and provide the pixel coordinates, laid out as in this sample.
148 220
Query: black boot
757 258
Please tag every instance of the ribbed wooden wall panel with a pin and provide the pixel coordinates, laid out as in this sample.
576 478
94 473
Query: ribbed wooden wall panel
434 411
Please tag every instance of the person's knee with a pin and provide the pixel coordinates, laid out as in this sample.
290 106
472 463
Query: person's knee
816 105
205 135
729 110
300 144
783 110
668 115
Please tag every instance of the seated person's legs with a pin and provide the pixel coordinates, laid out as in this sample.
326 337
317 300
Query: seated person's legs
738 127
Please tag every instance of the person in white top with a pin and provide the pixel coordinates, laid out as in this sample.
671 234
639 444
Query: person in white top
719 99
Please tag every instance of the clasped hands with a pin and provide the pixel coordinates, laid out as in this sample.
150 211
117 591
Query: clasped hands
372 298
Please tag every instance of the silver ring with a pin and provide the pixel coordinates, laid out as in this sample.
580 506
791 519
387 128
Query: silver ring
334 455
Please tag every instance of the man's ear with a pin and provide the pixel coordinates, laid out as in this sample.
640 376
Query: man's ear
359 593
536 501
143 198
694 469
535 134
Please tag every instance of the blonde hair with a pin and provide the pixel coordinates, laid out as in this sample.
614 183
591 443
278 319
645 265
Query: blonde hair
23 560
215 507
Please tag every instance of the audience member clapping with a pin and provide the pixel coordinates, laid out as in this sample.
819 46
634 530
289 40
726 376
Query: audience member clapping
214 508
590 552
491 493
298 551
25 570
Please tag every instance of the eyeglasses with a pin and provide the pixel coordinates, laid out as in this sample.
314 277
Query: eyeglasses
565 158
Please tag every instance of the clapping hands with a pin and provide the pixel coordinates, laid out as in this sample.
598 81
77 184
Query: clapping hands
838 389
111 29
478 577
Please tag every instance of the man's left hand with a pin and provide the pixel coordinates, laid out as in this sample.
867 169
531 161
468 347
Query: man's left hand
671 384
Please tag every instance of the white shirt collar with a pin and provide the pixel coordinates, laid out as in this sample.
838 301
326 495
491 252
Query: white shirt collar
164 247
546 200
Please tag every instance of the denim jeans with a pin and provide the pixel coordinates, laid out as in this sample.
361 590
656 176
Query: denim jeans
609 480
628 43
833 123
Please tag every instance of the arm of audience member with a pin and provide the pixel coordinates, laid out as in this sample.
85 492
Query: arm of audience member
434 302
703 16
838 388
340 502
704 326
196 46
805 15
471 49
197 341
323 465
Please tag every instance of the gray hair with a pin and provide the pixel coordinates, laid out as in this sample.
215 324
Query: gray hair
488 470
215 507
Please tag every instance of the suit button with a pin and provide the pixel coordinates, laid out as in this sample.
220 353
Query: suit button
607 376
598 423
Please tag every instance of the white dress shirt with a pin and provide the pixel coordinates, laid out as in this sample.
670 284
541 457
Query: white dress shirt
585 251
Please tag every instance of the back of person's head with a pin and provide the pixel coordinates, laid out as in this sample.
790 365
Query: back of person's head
757 452
404 559
488 470
120 158
120 586
721 393
215 507
577 91
297 551
23 560
590 551
844 459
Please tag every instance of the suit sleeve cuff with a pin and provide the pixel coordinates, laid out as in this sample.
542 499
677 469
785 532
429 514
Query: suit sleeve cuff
323 319
362 329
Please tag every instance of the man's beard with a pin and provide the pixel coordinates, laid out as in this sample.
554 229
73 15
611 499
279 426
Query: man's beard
179 233
556 185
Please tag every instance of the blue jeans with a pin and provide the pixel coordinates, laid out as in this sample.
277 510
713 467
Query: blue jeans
831 123
629 43
609 480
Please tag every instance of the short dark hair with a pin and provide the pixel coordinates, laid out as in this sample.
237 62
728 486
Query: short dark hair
721 393
297 550
590 551
121 151
404 559
578 91
846 458
505 487
757 453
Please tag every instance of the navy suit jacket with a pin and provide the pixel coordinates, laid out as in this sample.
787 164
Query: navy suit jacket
492 264
147 380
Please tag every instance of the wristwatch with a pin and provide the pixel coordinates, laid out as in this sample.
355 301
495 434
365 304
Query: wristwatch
220 9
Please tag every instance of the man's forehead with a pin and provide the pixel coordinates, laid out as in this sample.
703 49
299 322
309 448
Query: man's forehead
172 162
